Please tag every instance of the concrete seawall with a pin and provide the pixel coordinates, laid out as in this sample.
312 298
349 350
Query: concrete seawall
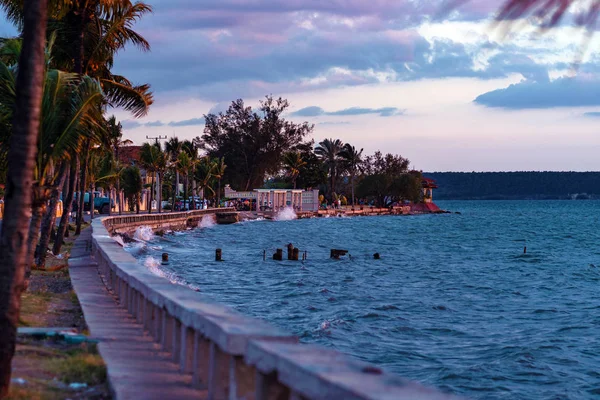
232 355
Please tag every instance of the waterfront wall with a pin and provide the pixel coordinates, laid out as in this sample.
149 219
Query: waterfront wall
232 355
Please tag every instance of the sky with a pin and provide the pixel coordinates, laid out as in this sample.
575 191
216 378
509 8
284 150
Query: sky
447 90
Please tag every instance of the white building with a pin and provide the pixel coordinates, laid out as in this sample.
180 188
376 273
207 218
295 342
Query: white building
278 199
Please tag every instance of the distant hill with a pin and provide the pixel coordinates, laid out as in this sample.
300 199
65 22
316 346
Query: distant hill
515 185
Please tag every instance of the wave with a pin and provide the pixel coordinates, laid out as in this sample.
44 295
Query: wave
144 233
287 214
207 221
153 265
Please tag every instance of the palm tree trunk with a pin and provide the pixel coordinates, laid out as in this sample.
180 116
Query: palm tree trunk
119 197
352 185
159 192
151 195
175 192
48 220
67 207
219 194
185 199
38 209
19 181
92 200
82 183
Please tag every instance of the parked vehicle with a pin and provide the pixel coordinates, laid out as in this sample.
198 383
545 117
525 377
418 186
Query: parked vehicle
101 204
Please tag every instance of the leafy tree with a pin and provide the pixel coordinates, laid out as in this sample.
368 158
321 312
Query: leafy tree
131 182
386 179
329 152
251 142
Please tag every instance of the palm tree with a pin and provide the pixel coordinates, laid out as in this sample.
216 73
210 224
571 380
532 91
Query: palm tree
70 112
329 152
153 160
114 136
292 162
204 174
21 162
184 166
352 160
217 173
173 148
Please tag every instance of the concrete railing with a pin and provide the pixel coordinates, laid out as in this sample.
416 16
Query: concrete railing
177 220
231 355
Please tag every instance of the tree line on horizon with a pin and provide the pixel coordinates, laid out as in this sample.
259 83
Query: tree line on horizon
515 185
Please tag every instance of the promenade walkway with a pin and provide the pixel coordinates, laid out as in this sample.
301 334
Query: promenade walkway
137 367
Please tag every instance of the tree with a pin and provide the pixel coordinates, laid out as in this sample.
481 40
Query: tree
131 182
251 142
153 160
352 161
329 152
313 174
185 164
218 172
204 174
172 149
383 180
292 163
115 140
21 162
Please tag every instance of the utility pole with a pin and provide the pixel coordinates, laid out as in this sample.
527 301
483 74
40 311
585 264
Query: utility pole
158 193
159 137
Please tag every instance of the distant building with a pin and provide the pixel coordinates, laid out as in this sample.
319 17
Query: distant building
278 199
428 185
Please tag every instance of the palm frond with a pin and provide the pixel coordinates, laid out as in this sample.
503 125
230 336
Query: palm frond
136 99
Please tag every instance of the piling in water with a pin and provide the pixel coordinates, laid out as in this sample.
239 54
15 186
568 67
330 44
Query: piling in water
376 256
336 254
278 256
290 251
295 254
165 257
218 255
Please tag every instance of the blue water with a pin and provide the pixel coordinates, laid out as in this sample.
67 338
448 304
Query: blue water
453 302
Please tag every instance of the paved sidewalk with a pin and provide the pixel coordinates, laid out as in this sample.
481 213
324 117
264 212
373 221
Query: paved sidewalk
137 367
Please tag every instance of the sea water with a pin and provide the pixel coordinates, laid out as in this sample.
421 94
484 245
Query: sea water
454 302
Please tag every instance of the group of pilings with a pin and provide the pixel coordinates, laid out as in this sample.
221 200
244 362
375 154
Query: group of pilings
293 254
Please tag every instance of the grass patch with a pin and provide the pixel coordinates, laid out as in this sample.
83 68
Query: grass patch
83 365
33 307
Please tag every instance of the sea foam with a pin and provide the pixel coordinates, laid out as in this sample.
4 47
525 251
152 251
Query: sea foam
287 214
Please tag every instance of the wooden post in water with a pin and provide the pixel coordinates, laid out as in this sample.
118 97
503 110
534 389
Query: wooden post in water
218 255
165 257
278 256
290 251
295 254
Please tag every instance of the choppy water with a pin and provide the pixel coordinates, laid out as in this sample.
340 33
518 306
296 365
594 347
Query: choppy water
453 302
